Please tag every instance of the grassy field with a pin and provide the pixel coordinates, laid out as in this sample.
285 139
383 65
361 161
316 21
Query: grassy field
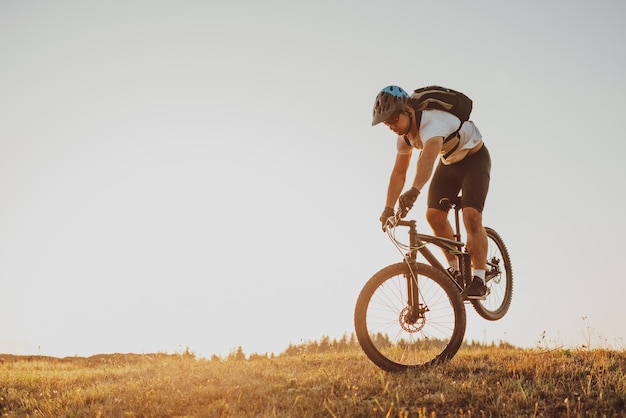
303 382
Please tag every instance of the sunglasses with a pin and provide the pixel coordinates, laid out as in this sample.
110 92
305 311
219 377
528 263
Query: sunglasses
393 119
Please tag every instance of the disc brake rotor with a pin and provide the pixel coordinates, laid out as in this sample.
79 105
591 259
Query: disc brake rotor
411 322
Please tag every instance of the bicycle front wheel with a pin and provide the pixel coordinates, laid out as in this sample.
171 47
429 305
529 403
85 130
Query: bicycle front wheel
499 279
397 335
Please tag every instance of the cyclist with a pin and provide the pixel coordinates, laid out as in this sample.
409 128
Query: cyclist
464 165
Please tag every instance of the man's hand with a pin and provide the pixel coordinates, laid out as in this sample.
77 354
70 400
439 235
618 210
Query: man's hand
406 200
387 213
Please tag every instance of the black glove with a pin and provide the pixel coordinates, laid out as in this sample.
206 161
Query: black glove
406 200
387 213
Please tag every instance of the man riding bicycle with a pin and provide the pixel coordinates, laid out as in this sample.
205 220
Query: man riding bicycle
464 166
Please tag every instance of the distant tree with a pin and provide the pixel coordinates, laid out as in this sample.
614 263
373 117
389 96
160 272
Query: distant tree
324 345
312 347
352 342
342 345
292 350
255 356
188 354
237 355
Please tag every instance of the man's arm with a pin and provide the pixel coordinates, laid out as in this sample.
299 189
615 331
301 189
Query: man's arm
426 161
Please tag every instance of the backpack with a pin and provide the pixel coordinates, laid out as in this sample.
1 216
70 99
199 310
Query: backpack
440 98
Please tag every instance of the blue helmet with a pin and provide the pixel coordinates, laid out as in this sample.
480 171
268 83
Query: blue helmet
389 100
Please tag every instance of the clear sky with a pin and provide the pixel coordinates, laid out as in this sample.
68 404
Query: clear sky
203 174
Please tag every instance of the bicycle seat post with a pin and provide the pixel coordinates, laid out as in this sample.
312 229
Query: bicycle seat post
457 225
455 204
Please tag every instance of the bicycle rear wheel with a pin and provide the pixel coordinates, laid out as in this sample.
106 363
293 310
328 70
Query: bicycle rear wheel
385 331
499 279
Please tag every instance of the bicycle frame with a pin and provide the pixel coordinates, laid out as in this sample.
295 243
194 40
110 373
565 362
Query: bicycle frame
451 246
417 243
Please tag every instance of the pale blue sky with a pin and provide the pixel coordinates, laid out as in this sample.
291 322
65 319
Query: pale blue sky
204 174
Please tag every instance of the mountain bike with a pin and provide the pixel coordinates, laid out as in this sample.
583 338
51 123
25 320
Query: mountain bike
411 315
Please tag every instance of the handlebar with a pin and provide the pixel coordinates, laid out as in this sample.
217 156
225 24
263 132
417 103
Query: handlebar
396 220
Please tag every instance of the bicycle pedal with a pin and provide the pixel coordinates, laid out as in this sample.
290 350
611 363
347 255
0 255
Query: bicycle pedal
471 298
467 298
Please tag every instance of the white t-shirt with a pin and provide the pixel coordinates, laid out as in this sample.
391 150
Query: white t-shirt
436 123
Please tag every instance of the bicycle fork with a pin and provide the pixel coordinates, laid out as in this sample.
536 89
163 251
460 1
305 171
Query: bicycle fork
415 311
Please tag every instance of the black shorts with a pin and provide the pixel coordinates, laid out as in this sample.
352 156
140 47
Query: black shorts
470 176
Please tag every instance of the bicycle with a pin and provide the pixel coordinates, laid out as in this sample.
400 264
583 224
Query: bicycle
411 315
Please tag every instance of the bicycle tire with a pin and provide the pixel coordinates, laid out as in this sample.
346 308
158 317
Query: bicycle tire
396 345
497 303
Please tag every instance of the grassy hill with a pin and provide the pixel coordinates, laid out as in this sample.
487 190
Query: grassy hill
319 379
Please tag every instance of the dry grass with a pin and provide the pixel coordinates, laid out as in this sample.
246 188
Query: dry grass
484 381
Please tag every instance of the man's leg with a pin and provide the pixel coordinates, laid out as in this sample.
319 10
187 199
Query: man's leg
475 187
476 237
438 220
